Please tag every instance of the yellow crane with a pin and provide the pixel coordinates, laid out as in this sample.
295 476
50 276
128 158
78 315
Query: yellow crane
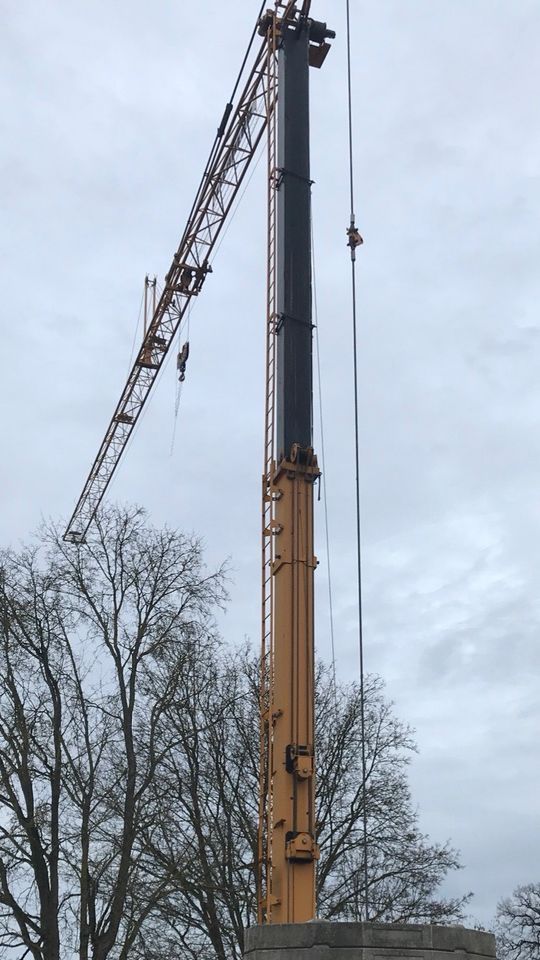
272 96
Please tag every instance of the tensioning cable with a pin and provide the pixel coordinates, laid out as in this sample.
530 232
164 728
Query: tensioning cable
354 241
323 466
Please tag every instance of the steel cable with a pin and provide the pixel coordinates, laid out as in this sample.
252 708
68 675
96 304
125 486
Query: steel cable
352 244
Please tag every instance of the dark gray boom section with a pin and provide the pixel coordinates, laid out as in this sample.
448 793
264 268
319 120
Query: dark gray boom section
238 137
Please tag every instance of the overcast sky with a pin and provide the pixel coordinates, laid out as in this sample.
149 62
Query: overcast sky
107 114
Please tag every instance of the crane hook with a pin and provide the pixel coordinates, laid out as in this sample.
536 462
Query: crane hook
181 361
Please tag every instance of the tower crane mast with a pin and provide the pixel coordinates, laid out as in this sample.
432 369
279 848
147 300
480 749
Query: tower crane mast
275 97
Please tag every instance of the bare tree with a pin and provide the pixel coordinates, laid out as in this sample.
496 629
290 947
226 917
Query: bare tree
94 644
518 924
129 764
208 827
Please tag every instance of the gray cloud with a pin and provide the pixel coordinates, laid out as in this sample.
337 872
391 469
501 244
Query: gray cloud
107 112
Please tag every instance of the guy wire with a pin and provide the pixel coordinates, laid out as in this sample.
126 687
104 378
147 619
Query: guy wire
357 458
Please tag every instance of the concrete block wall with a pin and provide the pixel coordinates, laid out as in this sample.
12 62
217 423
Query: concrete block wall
324 940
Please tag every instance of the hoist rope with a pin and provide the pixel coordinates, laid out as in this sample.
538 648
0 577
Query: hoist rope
323 468
357 459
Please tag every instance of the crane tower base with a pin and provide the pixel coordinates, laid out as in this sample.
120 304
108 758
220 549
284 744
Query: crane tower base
324 940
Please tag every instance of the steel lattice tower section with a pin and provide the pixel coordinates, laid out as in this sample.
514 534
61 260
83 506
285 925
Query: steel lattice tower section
288 848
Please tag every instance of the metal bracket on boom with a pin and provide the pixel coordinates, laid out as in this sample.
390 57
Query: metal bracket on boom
318 33
190 279
282 317
301 848
304 460
300 761
282 173
318 47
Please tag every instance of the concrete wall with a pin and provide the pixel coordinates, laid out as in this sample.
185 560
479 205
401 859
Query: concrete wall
324 940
